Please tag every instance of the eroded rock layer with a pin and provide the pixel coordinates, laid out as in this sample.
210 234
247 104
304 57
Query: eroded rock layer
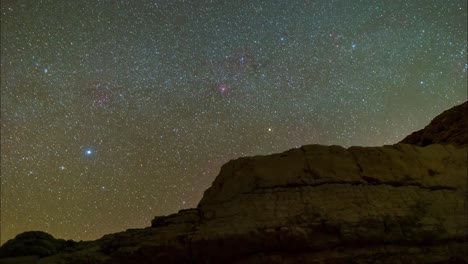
316 204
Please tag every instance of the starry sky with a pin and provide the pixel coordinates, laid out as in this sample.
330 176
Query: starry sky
113 112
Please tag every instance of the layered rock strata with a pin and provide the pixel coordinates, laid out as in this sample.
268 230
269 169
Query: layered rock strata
316 204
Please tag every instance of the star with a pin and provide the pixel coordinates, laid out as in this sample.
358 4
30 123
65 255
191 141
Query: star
223 88
282 40
146 103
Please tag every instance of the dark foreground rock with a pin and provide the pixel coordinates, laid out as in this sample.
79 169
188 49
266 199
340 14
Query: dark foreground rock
36 243
316 204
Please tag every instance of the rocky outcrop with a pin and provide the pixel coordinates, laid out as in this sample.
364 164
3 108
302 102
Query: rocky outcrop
316 204
35 244
318 201
450 127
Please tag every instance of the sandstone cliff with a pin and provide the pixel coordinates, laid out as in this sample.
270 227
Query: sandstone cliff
316 204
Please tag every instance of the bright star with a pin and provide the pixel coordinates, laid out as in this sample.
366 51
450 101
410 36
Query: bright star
89 152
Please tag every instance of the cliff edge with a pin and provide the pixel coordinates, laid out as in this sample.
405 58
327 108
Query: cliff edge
403 203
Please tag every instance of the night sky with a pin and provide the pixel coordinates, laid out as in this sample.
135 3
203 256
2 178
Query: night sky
113 112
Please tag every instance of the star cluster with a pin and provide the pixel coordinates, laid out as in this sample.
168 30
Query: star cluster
113 112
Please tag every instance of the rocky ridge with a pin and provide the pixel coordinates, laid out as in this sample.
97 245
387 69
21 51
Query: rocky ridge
316 204
450 127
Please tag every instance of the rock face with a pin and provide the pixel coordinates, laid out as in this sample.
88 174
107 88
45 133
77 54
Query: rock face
450 127
316 204
322 201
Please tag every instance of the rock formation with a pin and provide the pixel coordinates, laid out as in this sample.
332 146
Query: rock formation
316 204
450 127
35 243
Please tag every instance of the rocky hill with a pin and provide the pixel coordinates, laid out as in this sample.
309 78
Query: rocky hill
403 203
450 127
